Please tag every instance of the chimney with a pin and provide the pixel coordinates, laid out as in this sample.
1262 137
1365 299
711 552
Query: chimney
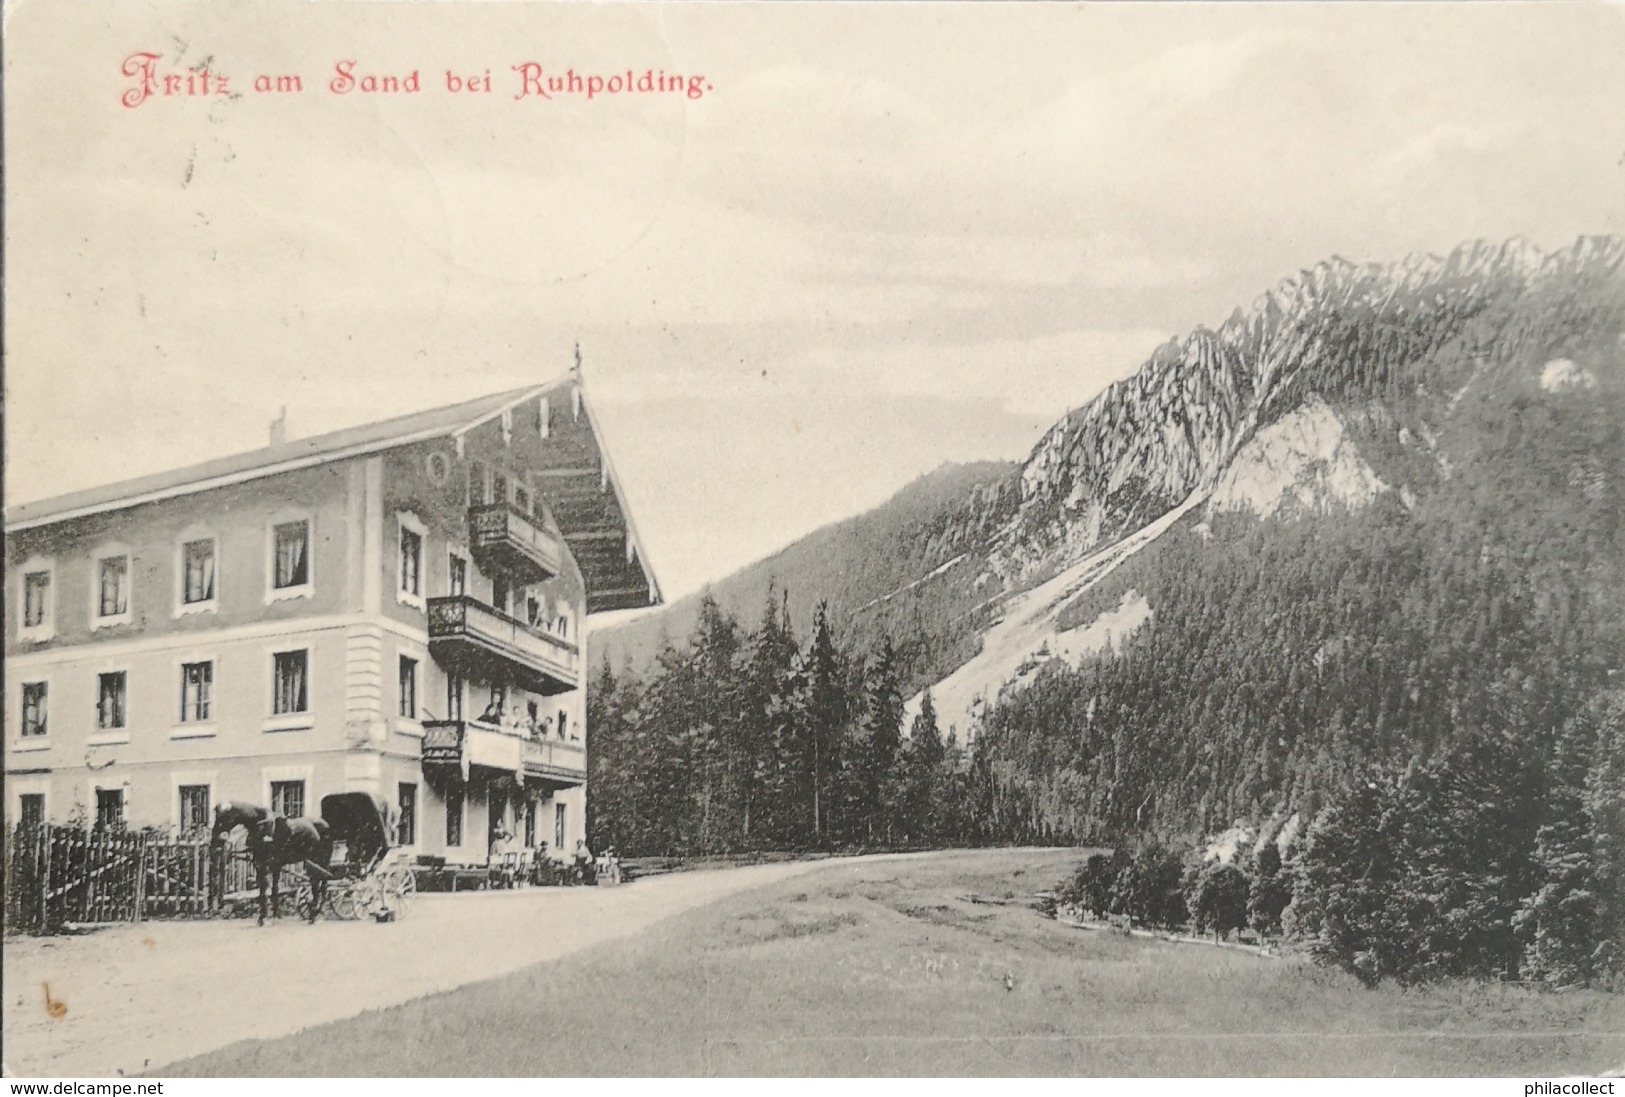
279 427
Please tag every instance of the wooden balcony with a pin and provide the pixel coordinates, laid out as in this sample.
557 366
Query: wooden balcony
555 761
468 745
474 640
508 542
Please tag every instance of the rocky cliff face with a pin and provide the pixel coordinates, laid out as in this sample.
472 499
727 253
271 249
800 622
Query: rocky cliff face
1261 415
1172 429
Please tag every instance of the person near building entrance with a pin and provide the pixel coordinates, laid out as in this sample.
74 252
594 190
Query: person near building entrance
586 869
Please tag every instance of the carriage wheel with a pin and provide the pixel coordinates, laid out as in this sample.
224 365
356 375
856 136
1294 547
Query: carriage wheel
369 897
400 885
341 901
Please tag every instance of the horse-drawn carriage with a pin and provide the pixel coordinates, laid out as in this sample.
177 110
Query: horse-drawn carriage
343 855
360 881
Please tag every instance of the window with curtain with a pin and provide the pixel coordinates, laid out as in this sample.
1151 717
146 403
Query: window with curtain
198 565
110 700
406 829
31 809
459 575
36 594
194 808
290 682
109 809
454 697
558 827
113 596
34 709
197 689
411 561
288 798
292 567
409 688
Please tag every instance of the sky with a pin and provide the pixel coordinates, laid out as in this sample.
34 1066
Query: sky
887 236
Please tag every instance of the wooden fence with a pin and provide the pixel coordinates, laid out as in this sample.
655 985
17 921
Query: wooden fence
57 877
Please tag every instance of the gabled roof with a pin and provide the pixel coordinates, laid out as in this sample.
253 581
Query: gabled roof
306 452
269 460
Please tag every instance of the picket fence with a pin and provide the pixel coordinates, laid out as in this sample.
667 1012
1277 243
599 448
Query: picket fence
59 877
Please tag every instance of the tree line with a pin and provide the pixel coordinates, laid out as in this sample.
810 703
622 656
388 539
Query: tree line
743 740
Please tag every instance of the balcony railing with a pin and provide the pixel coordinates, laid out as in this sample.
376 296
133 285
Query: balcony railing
442 743
507 541
555 758
467 744
472 638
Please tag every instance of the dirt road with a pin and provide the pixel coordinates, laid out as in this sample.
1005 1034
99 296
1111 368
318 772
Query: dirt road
135 997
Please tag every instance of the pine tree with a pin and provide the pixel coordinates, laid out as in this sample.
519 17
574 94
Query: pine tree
825 726
878 755
928 780
1559 922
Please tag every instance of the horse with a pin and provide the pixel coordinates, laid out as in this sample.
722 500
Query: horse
274 841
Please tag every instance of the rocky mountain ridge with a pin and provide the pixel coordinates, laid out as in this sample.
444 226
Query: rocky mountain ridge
1334 388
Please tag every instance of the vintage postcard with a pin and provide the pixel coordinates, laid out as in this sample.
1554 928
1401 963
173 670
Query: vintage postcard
766 539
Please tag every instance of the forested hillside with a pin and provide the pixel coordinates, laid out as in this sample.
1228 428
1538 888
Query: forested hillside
935 529
1382 642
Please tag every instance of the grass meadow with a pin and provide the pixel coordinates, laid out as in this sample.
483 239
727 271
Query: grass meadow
902 967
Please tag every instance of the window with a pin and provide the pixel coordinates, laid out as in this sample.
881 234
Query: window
564 720
197 572
500 594
291 555
411 561
197 689
34 697
31 809
194 808
558 826
498 817
454 697
521 499
36 598
409 688
530 824
535 722
454 815
564 626
290 693
494 709
476 484
406 828
110 695
458 569
113 586
288 798
499 487
109 809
